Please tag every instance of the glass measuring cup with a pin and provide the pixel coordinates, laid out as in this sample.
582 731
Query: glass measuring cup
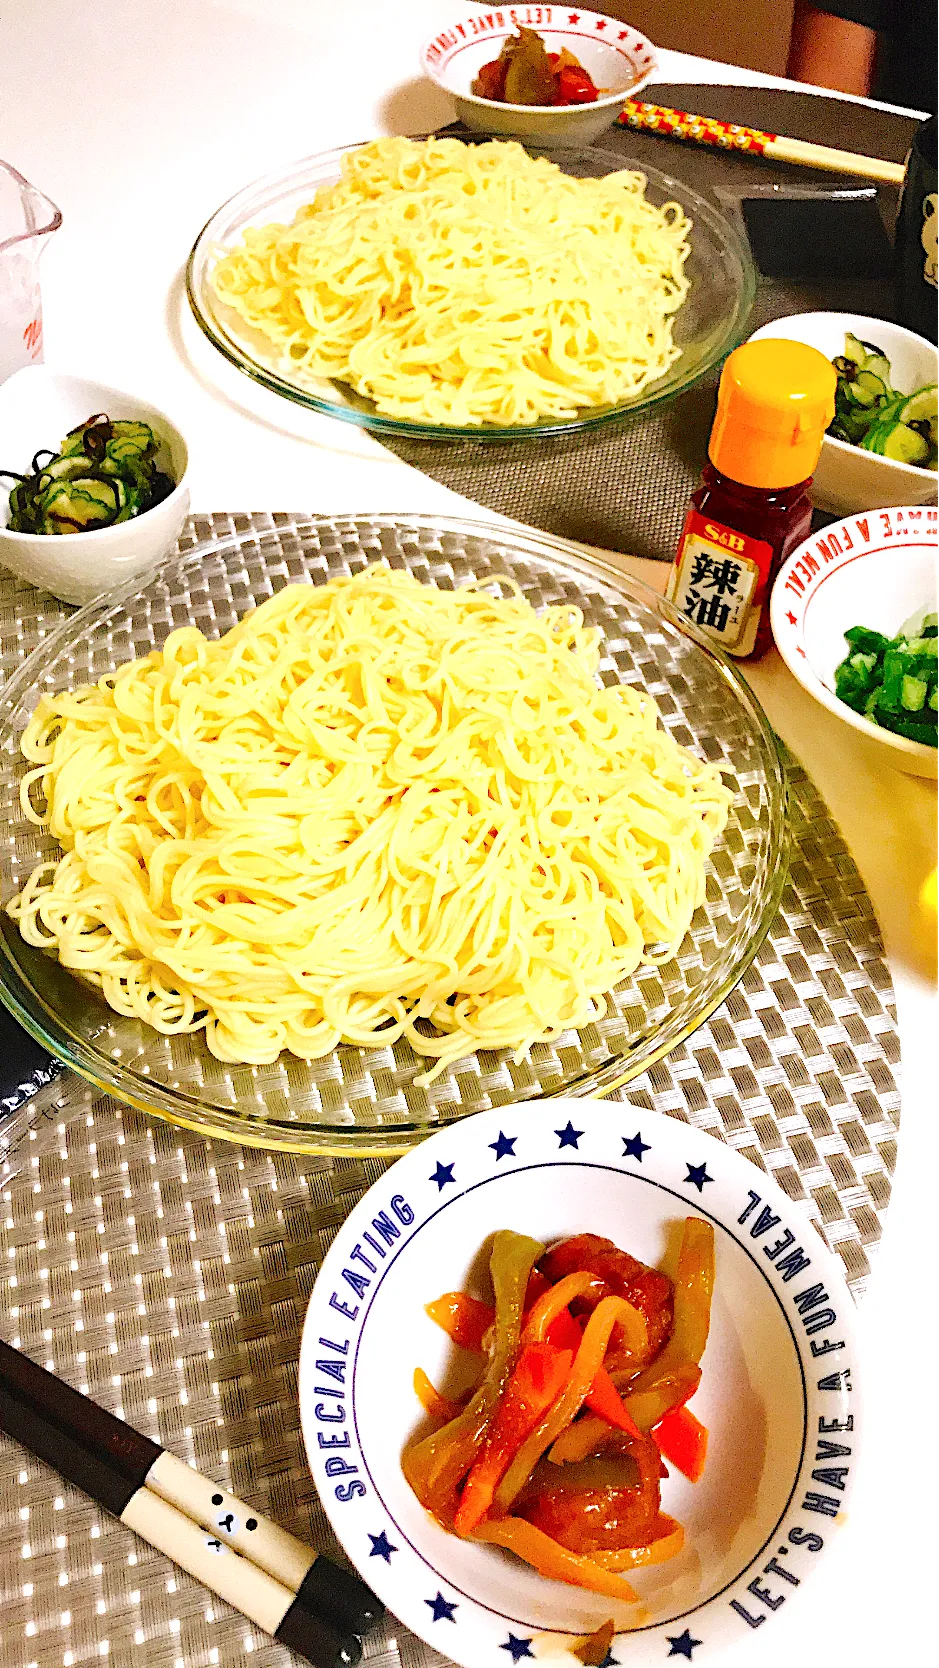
26 220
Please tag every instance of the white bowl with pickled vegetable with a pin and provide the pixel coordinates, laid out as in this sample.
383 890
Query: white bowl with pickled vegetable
850 477
617 58
873 576
38 409
777 1372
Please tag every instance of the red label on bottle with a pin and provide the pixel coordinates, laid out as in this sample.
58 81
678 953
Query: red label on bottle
720 580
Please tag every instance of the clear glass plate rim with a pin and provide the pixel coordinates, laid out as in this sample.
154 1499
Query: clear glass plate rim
231 349
179 1107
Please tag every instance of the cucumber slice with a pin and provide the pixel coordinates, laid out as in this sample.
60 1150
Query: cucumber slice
885 420
64 469
873 440
904 445
871 386
853 349
75 506
879 366
921 406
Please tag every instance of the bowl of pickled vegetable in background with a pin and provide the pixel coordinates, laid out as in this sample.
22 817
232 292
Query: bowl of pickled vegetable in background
617 58
38 408
780 1411
896 376
854 617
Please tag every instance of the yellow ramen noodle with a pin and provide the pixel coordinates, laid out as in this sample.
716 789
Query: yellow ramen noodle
466 284
372 810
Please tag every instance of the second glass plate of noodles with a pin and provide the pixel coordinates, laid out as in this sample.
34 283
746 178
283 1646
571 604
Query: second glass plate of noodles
710 322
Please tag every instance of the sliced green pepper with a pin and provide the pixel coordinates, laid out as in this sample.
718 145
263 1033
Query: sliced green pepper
436 1466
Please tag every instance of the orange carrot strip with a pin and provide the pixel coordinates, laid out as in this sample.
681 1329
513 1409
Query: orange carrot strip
463 1318
551 1559
438 1406
666 1546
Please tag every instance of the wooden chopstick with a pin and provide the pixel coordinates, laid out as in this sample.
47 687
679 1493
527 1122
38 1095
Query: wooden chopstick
728 136
284 1587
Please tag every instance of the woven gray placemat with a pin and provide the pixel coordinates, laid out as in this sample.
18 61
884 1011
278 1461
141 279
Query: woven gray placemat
626 485
167 1276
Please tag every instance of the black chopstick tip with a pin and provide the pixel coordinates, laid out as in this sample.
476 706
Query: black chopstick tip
339 1598
330 1613
317 1642
348 1654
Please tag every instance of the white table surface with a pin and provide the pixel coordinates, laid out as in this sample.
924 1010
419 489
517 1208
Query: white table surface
138 119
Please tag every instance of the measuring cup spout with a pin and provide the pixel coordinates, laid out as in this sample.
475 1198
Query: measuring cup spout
33 216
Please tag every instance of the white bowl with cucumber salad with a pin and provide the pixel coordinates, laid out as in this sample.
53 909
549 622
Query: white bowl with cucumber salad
891 389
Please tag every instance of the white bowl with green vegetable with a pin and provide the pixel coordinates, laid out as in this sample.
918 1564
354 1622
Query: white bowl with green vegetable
881 447
85 505
853 613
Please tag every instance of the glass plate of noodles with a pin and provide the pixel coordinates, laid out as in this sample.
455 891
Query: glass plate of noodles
708 325
367 1100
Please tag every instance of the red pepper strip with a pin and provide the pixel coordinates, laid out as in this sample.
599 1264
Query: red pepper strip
537 1381
564 1332
683 1440
575 86
466 1320
602 1398
463 1318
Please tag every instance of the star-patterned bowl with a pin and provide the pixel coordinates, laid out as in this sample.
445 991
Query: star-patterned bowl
618 58
778 1392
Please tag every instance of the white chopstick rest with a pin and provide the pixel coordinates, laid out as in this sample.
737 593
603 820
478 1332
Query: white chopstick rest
235 1524
207 1557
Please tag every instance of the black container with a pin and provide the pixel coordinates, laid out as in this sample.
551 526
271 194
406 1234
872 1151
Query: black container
915 242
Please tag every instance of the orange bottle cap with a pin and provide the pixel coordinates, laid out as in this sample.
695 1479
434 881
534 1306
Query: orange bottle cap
775 401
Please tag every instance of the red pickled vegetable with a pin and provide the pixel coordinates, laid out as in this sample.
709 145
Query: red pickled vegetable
574 86
604 1399
683 1441
490 82
526 73
534 1385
